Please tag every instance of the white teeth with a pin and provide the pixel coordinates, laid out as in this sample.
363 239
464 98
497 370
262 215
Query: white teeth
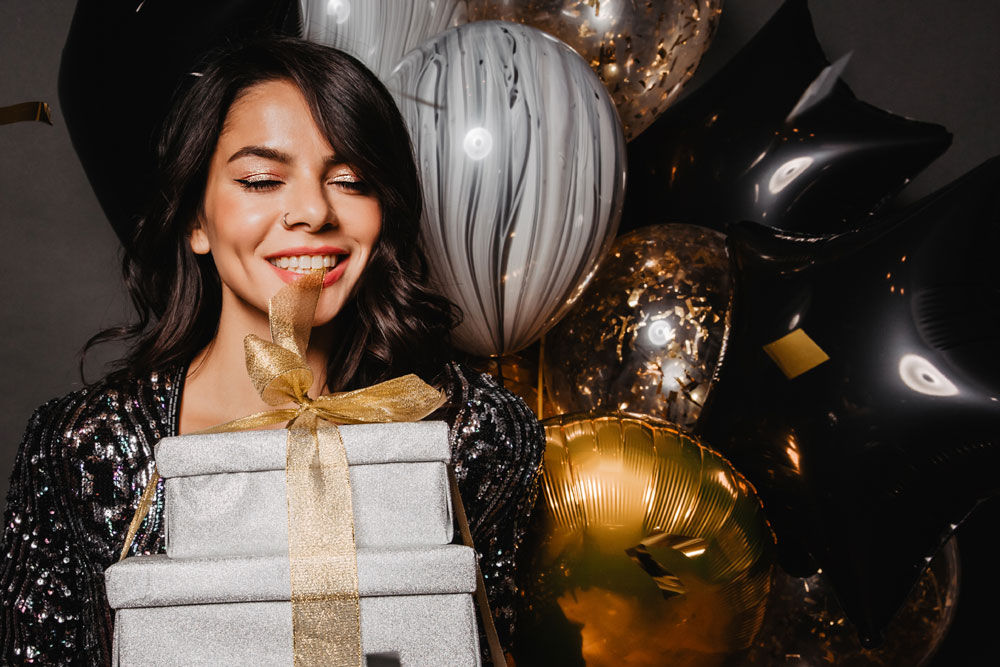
305 263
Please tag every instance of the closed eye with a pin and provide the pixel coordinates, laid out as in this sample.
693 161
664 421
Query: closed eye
350 184
258 185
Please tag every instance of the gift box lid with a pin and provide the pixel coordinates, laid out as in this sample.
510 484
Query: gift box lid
252 451
159 581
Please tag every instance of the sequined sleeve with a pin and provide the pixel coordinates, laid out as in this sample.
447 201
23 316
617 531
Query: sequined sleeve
52 604
81 467
497 446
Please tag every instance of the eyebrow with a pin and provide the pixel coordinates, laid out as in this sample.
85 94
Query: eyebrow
263 152
270 154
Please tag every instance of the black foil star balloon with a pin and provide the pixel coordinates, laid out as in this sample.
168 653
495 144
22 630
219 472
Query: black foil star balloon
859 390
775 137
122 61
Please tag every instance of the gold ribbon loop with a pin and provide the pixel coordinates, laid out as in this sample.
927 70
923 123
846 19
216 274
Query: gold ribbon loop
279 375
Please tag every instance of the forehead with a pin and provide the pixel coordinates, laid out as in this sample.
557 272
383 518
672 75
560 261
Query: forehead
272 113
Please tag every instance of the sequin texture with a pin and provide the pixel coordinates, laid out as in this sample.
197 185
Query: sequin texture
85 460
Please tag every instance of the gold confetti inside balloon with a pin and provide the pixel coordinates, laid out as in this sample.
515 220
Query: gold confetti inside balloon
646 335
804 625
644 52
646 548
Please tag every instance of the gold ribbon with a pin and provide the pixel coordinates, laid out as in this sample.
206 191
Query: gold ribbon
26 111
326 623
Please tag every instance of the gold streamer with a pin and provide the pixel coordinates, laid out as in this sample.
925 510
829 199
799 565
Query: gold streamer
326 622
26 111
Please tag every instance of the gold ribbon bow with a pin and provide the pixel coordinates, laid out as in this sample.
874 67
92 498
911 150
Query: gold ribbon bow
326 623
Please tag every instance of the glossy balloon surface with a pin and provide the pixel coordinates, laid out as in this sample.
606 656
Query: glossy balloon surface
523 166
644 52
518 373
378 32
649 549
646 335
120 66
777 138
805 626
883 430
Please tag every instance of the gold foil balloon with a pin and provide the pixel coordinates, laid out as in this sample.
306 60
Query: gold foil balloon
804 626
644 52
646 335
647 548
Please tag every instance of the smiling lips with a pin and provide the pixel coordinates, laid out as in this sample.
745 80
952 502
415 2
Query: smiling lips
292 263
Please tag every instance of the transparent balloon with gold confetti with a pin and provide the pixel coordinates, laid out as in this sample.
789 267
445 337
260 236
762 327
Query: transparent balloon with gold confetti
644 52
647 334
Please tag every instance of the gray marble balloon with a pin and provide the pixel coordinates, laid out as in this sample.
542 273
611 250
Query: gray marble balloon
522 158
378 32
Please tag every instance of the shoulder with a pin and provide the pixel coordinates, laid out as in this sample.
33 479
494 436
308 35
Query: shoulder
491 426
101 425
123 399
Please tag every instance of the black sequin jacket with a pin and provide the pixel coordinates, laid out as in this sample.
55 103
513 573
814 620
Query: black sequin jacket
85 460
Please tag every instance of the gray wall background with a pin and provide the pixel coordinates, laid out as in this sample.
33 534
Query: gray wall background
926 59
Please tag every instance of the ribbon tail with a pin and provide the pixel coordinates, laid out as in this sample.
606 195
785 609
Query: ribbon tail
326 614
145 502
251 422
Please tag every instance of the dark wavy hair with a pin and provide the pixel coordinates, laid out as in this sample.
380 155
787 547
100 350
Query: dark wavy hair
393 323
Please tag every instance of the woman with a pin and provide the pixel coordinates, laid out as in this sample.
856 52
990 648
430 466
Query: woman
281 155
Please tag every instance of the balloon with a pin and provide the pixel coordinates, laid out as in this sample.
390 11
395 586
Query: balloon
378 32
120 66
775 137
643 52
859 390
523 166
518 373
649 549
647 334
805 626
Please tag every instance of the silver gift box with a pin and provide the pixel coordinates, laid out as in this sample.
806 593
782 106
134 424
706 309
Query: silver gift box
225 493
416 609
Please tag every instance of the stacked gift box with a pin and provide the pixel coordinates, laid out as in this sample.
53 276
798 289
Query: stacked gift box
221 593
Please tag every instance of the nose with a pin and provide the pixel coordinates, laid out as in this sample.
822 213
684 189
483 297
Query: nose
309 209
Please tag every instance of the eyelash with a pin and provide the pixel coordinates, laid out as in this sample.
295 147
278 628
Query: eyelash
259 185
265 185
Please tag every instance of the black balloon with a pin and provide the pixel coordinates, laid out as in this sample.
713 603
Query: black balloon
733 150
867 461
122 61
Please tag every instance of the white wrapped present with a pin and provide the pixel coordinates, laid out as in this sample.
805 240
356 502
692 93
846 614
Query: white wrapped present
416 609
225 493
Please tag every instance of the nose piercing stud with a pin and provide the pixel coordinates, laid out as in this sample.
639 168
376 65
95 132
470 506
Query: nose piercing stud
284 221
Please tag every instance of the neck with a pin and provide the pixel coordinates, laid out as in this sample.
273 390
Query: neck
218 388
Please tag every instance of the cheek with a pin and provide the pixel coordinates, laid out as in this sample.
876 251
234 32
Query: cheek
369 226
231 220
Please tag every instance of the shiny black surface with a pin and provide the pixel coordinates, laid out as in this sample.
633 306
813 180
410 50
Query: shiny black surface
726 153
122 61
867 462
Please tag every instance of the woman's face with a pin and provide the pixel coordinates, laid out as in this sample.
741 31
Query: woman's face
278 203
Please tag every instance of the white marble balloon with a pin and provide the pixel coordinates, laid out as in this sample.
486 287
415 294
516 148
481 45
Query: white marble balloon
378 32
522 158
